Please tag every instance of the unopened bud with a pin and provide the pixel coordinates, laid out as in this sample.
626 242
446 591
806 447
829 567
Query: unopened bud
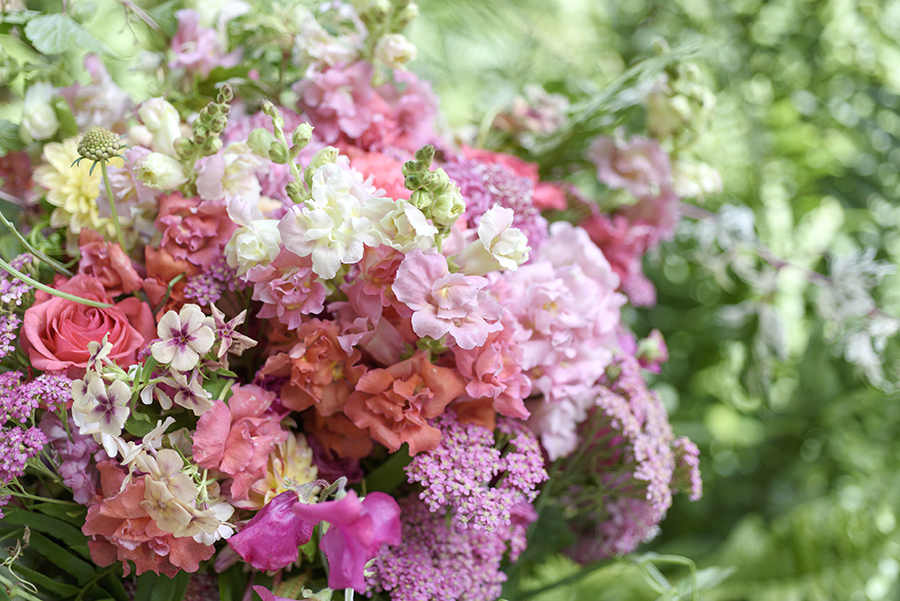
406 15
302 135
218 123
448 207
278 153
294 191
183 147
200 133
259 141
421 200
213 109
225 94
212 146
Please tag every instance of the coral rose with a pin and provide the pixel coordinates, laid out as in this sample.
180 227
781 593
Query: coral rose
57 331
395 403
108 263
122 530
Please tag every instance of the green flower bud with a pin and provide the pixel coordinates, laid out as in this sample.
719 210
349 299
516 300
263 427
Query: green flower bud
410 168
278 153
294 192
424 156
200 133
380 9
183 147
302 135
99 144
225 95
217 125
448 207
212 146
421 200
259 141
329 154
213 109
413 181
271 111
406 15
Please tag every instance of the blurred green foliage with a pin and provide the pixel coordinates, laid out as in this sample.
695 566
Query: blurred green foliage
797 427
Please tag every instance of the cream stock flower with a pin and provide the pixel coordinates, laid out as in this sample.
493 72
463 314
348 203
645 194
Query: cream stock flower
499 245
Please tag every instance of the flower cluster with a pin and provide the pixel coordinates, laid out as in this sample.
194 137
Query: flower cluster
229 314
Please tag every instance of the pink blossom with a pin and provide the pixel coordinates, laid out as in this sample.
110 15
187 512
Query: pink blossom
288 289
358 529
624 244
197 49
386 172
638 165
193 229
99 103
108 263
545 196
338 100
494 371
237 438
256 544
444 302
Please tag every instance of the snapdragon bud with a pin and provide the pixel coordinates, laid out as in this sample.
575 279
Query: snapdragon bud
225 95
278 153
212 146
406 15
302 135
259 141
184 148
217 124
448 207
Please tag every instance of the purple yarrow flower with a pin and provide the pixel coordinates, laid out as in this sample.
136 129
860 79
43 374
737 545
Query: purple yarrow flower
184 338
17 446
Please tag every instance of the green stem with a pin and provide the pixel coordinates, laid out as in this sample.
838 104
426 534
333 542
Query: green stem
168 293
19 592
56 265
32 282
571 579
95 580
26 495
112 206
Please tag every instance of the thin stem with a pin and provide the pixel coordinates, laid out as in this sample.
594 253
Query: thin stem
56 265
26 495
112 206
32 282
168 293
17 587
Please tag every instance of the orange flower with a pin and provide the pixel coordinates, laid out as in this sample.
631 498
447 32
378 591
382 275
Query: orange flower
395 403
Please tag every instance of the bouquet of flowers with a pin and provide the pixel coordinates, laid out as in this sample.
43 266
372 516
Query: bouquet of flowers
273 329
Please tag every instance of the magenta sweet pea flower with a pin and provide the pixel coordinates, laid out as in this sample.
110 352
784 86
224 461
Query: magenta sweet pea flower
358 529
267 595
259 545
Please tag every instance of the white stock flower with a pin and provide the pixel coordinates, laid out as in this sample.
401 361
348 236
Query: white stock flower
499 245
255 244
184 338
229 174
161 126
39 120
160 171
99 410
399 224
330 226
394 50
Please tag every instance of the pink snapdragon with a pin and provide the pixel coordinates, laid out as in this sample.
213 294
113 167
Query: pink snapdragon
197 49
446 303
358 530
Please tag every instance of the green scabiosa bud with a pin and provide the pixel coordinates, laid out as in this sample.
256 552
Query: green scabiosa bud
99 144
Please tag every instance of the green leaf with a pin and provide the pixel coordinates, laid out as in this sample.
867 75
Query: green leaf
161 588
38 579
22 16
54 34
73 515
164 16
58 529
3 595
232 583
390 474
65 561
50 34
9 137
113 585
547 535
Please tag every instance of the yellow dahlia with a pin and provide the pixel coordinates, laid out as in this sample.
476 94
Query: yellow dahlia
72 189
289 465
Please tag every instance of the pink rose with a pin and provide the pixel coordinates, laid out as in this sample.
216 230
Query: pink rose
57 331
108 263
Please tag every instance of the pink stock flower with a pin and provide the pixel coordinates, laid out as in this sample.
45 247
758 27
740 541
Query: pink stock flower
197 49
192 229
444 302
238 438
288 289
494 371
56 331
624 244
338 100
121 530
638 165
386 172
108 263
395 403
358 529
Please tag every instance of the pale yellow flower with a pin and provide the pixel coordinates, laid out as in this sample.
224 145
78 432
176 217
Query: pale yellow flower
72 189
290 463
